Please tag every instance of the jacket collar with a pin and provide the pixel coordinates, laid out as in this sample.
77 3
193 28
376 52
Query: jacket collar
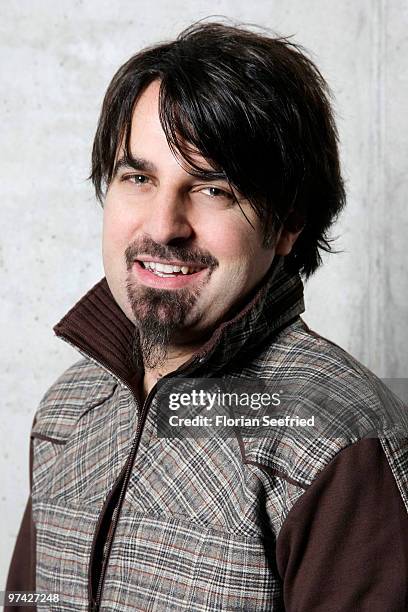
99 329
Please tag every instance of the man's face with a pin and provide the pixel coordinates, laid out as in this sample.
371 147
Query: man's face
156 214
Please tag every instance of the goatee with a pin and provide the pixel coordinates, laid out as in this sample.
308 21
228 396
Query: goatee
161 313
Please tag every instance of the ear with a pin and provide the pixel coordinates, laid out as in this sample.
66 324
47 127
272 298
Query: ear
289 233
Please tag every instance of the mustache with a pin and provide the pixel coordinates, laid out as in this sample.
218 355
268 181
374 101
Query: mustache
147 246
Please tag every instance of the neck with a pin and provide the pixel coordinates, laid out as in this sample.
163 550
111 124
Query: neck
176 357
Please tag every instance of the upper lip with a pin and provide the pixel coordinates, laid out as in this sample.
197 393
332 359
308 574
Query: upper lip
170 263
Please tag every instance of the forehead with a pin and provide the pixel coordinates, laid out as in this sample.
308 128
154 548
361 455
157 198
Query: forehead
148 139
146 110
145 126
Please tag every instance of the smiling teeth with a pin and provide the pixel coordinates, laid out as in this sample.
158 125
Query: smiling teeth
167 269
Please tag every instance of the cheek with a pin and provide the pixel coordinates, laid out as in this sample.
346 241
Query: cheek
112 243
227 239
115 234
238 248
242 258
113 248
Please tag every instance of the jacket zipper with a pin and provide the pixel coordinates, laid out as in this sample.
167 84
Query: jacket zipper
95 604
115 515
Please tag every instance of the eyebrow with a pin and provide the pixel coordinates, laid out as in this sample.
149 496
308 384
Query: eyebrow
136 163
143 165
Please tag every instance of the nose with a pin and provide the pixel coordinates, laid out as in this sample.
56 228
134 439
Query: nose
168 218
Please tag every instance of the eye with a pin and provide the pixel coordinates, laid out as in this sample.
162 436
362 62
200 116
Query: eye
217 192
137 179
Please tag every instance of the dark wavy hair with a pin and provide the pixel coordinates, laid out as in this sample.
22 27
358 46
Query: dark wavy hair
256 108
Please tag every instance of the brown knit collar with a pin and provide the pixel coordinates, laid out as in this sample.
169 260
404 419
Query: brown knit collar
99 329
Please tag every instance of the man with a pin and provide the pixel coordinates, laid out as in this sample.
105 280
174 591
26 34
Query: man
216 162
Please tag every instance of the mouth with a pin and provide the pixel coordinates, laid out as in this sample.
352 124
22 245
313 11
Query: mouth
169 270
167 274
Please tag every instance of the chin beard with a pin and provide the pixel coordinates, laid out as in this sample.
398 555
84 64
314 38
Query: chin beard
159 314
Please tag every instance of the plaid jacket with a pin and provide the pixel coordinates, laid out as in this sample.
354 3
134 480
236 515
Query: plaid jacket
124 520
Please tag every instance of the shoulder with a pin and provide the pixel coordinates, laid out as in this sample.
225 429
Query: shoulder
81 387
349 403
321 370
298 348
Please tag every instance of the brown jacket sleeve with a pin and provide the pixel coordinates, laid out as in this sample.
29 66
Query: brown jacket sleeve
21 575
344 544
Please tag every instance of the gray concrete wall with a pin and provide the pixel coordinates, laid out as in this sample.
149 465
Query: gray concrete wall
56 61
